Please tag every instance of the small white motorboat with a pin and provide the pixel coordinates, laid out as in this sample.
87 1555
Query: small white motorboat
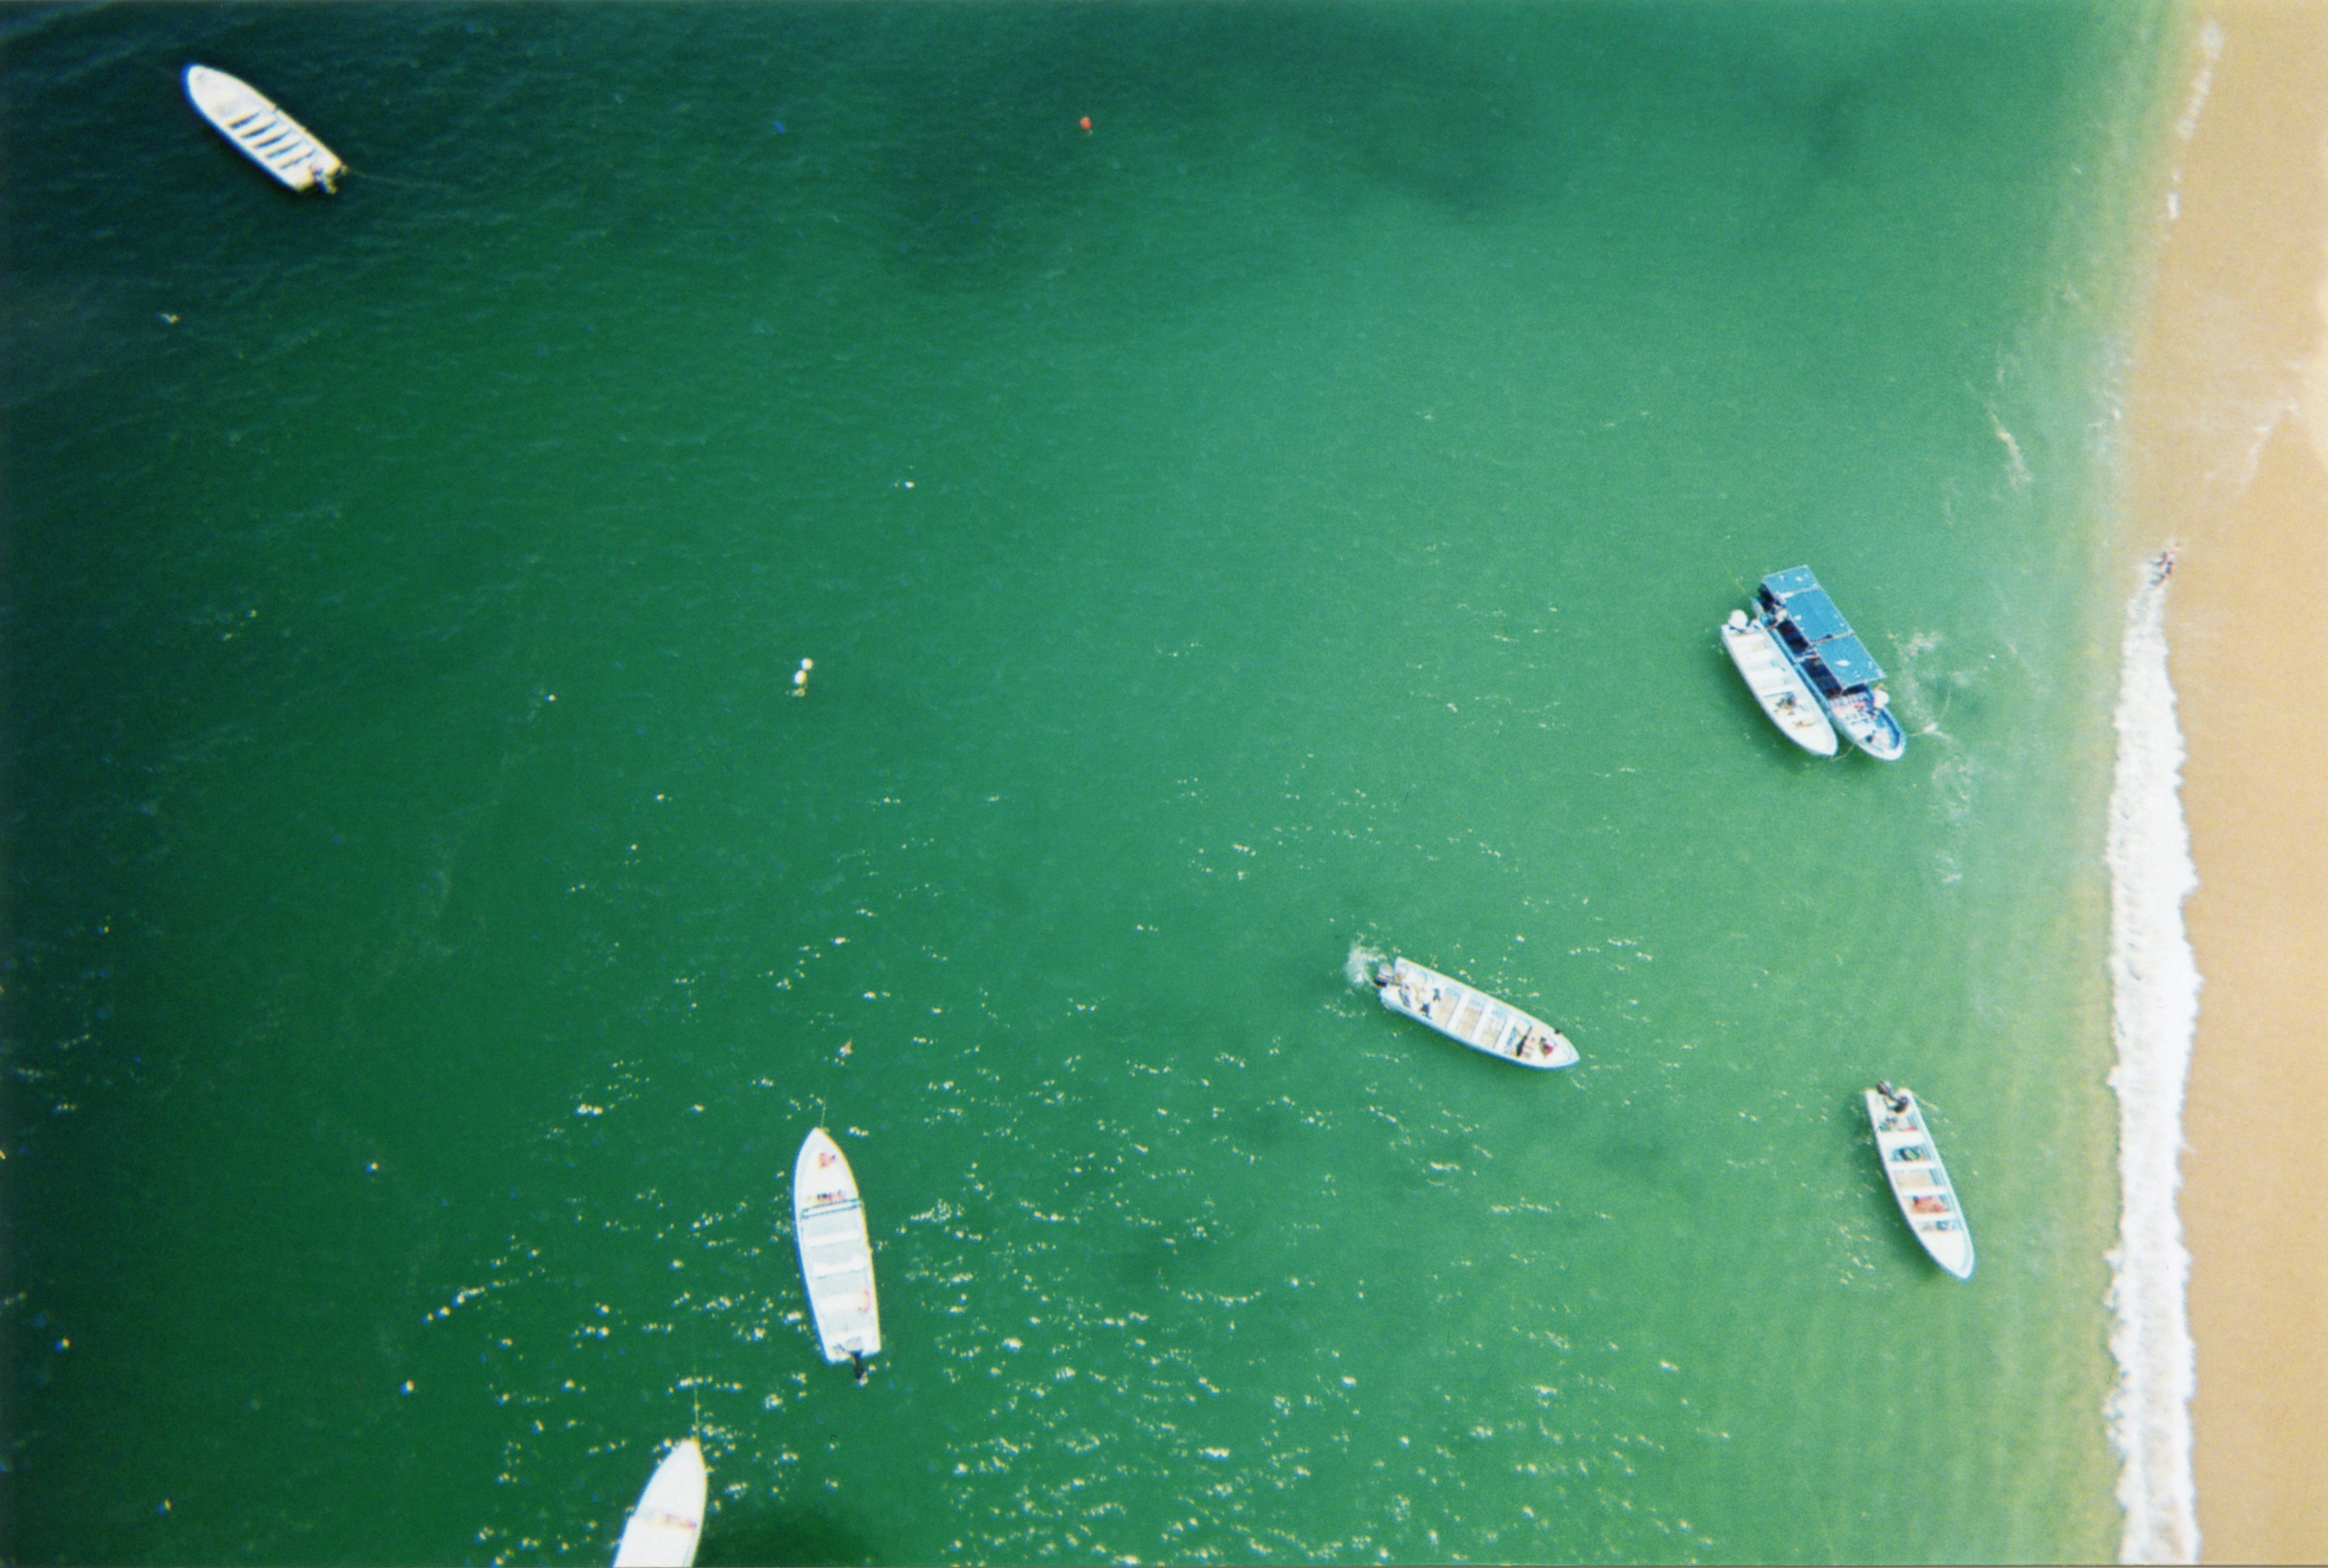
1912 1163
664 1527
1777 685
272 139
836 1254
1472 1017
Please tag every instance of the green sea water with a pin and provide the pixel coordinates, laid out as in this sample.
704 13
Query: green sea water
1290 518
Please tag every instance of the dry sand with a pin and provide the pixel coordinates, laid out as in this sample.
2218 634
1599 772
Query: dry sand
2228 454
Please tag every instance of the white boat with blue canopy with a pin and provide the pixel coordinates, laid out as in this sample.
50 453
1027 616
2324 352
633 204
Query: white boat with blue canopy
1920 1182
270 138
1834 663
1472 1017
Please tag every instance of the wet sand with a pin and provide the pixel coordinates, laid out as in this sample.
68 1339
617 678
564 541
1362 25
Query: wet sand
2228 455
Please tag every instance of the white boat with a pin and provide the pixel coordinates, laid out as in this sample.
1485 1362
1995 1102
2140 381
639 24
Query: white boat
664 1527
1911 1162
1777 685
272 139
1472 1017
836 1253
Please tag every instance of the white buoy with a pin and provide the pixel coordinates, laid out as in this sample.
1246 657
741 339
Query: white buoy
800 677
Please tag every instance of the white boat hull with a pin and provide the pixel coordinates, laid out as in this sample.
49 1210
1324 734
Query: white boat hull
1920 1182
1785 696
1869 724
1473 1017
836 1252
667 1523
266 135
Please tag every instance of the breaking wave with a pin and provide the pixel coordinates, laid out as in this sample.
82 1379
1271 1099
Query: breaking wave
2153 1011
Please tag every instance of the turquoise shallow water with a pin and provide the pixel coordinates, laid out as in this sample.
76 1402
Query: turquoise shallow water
1290 517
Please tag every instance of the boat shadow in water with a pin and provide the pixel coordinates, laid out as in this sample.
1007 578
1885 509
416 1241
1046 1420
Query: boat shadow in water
1650 1164
1174 1257
782 1537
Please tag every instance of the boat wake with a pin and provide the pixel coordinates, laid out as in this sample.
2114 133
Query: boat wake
2153 1011
1359 967
1914 684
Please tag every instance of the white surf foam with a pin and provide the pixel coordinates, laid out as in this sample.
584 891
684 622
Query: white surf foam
2153 1011
1359 967
2210 49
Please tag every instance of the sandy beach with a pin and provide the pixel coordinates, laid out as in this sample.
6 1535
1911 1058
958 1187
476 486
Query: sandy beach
2227 456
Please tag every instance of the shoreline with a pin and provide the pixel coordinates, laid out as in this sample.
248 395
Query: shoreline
2227 450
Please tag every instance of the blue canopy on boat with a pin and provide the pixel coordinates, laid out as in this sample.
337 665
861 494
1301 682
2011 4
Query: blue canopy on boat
1797 593
1847 658
1793 580
1815 614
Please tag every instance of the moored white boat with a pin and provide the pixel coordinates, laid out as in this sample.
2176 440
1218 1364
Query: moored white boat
836 1253
1777 685
667 1523
1912 1163
270 138
1471 1017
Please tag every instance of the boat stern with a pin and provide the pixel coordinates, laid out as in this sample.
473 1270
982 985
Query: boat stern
1889 742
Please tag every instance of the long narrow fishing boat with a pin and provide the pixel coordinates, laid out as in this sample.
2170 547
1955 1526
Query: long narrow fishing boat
664 1528
1472 1017
1805 626
836 1254
270 138
1912 1163
1777 685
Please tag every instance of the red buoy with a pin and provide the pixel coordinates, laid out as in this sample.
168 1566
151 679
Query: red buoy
1084 122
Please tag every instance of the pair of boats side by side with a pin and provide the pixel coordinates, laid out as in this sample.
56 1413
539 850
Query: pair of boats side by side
1810 671
835 1254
